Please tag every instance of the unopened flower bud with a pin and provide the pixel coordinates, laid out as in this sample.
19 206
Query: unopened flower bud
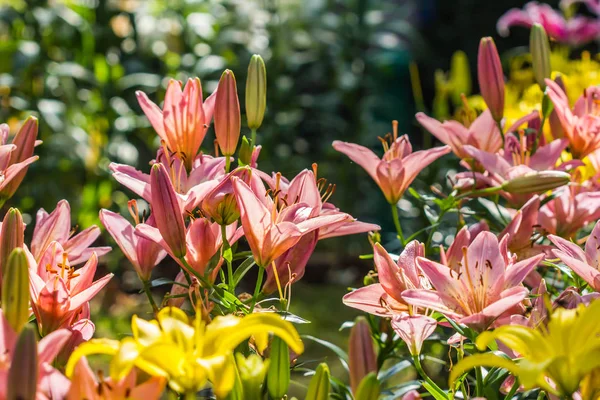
23 372
227 114
25 141
369 388
361 352
252 374
278 378
319 386
256 92
245 153
540 54
537 182
15 290
460 76
11 236
490 77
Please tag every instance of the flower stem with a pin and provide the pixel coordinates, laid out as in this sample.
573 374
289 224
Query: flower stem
512 390
253 138
259 280
227 164
230 283
426 377
397 223
479 382
149 295
489 190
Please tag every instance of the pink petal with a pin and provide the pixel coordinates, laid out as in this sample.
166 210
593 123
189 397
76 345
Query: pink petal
368 299
86 295
54 227
581 268
153 112
414 330
509 298
515 274
360 155
51 344
429 299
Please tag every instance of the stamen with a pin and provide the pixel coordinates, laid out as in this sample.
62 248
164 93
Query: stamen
395 129
132 206
216 144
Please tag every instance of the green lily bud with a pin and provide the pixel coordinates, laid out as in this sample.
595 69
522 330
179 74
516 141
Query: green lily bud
252 373
15 290
460 76
278 377
319 386
361 352
23 372
540 54
256 92
369 388
537 182
12 236
245 153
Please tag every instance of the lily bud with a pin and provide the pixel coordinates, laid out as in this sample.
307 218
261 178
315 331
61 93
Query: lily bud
252 374
25 140
540 54
369 388
278 378
166 210
11 236
490 77
319 386
537 182
15 290
256 92
23 372
361 352
227 114
460 76
245 154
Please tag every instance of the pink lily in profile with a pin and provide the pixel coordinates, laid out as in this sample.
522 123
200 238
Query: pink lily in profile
143 254
16 156
81 331
586 263
56 227
568 212
575 31
270 227
85 385
399 166
184 119
521 228
59 292
191 188
581 125
483 133
51 383
486 285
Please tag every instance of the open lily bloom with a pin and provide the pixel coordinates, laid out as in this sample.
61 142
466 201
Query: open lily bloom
564 352
521 228
585 264
51 383
581 125
188 353
399 166
59 292
575 31
184 119
56 227
568 212
85 385
483 133
486 284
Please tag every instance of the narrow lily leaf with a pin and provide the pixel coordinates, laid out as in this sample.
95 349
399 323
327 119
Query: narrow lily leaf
337 350
242 270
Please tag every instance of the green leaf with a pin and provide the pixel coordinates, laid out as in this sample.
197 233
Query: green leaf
242 270
337 350
433 392
393 370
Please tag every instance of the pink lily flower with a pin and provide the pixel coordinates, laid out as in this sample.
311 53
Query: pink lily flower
521 228
581 125
399 166
191 188
184 119
59 292
81 331
487 284
56 227
483 133
414 330
143 254
85 385
51 383
575 31
568 212
586 263
272 228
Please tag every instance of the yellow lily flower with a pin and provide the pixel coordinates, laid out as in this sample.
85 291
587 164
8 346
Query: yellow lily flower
566 351
189 353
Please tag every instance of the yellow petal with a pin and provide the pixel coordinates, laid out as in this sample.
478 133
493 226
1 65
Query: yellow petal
525 341
124 360
145 332
173 312
221 373
94 346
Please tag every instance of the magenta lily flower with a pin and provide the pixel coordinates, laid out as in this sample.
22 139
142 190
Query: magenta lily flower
59 292
51 383
399 166
568 212
586 263
487 284
184 119
56 227
581 125
143 254
575 31
483 133
521 228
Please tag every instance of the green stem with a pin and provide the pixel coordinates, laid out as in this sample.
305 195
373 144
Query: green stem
227 163
259 280
230 283
512 390
149 295
489 190
501 132
253 138
479 382
397 223
426 377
